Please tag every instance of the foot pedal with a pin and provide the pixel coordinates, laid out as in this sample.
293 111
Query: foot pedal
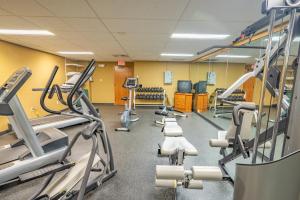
44 171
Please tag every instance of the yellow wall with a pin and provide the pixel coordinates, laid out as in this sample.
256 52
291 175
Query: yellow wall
224 79
13 57
256 94
101 88
151 75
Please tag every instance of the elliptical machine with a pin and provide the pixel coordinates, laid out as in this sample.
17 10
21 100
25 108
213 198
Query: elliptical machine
91 170
131 84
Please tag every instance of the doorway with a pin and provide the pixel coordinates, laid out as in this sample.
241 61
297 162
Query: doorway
121 73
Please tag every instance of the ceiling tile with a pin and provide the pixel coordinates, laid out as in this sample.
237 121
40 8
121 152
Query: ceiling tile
14 22
68 8
229 10
211 27
98 37
50 23
139 9
85 24
3 12
24 8
142 37
191 46
140 26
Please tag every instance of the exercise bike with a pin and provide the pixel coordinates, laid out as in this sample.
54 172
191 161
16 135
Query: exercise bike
131 84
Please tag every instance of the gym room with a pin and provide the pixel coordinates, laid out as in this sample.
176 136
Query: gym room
149 99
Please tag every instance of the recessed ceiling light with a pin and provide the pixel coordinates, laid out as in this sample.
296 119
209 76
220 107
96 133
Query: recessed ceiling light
232 56
24 32
199 36
177 54
76 52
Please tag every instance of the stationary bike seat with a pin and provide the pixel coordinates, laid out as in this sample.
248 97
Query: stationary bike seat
124 98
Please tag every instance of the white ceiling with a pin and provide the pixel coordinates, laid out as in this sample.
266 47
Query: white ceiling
140 29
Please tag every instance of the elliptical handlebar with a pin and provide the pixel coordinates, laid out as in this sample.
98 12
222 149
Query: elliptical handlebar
56 90
45 91
86 74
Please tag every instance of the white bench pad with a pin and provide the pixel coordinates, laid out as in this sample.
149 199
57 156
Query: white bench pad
170 119
171 144
173 130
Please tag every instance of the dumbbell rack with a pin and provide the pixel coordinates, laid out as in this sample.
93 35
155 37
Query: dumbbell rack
222 108
150 96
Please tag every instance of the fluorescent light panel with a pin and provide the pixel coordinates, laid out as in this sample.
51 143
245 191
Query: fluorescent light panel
76 52
24 32
199 36
232 56
74 64
177 54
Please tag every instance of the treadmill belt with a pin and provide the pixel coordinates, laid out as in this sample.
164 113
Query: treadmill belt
49 119
8 155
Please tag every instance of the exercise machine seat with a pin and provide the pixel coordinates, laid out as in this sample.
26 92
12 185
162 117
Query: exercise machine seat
172 130
172 144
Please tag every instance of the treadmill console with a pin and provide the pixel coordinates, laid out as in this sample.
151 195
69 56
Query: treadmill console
131 83
12 85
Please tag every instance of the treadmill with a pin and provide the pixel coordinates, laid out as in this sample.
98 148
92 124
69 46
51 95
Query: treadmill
21 159
61 121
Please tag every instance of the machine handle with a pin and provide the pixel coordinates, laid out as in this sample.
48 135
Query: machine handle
86 74
56 90
45 91
236 110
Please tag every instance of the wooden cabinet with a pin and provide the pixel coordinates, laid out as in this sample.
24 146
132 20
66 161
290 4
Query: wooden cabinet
183 102
200 102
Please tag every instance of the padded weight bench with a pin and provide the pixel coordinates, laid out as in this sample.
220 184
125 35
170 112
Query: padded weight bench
172 129
176 148
173 176
170 121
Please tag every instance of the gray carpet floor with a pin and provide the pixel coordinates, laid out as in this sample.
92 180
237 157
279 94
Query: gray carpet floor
135 155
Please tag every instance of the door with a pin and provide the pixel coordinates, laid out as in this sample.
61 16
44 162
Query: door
248 87
121 73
